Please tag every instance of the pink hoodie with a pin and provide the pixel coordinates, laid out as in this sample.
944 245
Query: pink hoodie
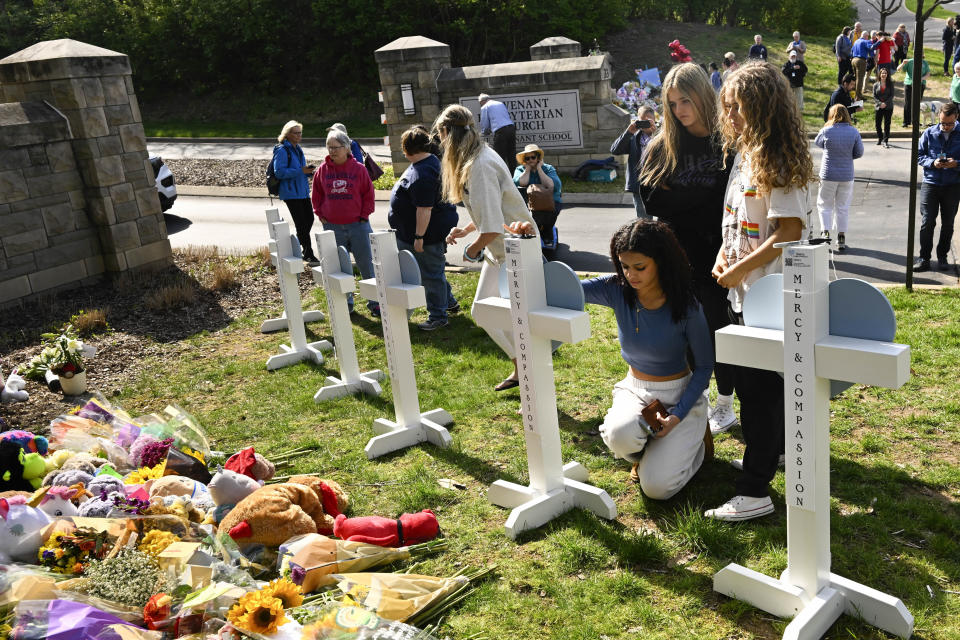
342 193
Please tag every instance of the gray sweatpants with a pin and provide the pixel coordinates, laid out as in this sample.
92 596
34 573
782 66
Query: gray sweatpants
665 464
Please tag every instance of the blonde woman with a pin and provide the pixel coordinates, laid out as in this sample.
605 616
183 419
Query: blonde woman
682 181
767 202
290 166
841 145
473 173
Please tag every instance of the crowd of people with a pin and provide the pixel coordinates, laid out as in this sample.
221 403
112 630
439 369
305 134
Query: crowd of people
718 180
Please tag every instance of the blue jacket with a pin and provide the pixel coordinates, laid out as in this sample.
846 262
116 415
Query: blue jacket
841 144
288 167
932 144
862 48
631 144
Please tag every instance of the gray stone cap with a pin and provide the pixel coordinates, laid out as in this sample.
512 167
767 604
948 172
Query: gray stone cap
411 48
29 123
65 58
555 41
513 74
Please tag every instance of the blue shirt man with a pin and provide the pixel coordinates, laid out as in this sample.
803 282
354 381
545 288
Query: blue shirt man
938 154
495 118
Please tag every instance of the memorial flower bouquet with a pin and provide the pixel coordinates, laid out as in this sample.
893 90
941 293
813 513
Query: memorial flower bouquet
679 53
69 552
263 611
640 92
62 354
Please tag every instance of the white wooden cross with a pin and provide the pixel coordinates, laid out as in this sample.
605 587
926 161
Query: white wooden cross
397 286
288 266
335 274
279 324
554 488
810 358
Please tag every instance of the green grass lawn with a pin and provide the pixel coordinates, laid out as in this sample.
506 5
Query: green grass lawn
943 12
648 574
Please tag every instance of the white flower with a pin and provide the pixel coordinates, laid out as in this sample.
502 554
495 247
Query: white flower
49 352
74 346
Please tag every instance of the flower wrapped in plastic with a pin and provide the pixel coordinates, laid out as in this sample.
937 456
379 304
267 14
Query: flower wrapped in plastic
338 622
70 552
312 559
397 596
68 620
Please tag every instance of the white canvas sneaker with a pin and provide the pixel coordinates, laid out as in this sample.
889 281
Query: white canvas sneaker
741 508
737 463
722 418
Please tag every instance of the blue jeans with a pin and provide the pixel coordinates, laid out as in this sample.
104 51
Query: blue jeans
355 237
640 207
934 199
433 277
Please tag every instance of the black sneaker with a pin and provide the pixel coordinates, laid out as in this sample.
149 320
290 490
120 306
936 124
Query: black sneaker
454 308
922 264
433 325
943 264
879 142
375 312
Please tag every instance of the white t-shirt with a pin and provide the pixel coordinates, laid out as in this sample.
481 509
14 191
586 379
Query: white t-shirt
492 200
750 217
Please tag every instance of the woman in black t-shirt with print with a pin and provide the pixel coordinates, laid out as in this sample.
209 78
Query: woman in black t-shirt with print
682 182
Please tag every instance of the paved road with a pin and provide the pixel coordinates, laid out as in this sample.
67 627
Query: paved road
877 232
932 28
254 150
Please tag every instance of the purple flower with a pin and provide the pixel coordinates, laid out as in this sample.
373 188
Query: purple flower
297 574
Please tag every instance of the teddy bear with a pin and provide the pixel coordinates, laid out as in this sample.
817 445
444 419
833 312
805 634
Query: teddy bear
20 529
11 389
11 468
410 528
57 459
57 501
67 477
105 484
275 513
227 488
251 464
30 442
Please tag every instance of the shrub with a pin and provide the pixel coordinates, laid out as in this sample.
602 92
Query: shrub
223 277
88 323
173 296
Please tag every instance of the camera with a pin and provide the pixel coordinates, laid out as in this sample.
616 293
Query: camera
641 124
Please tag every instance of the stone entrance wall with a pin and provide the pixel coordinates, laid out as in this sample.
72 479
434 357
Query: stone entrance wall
77 194
556 65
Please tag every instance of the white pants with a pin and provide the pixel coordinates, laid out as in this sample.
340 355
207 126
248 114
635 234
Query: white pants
798 94
668 463
489 287
834 196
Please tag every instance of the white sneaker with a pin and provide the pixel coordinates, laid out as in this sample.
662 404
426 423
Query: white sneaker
741 508
722 418
737 463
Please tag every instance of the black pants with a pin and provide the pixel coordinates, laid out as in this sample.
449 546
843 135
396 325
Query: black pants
505 144
843 68
933 199
882 117
301 211
713 299
947 57
908 103
762 421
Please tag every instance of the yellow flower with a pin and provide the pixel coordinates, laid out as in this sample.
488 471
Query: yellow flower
155 541
143 474
263 615
58 553
287 592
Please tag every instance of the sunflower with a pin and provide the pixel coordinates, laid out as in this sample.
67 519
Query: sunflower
263 615
286 591
143 474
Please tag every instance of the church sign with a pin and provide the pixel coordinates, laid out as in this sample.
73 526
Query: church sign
549 119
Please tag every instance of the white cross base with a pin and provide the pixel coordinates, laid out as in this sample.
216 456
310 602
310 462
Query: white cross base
809 358
397 296
338 284
270 325
554 488
288 266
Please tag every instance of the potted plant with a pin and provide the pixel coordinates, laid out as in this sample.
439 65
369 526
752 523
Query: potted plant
60 362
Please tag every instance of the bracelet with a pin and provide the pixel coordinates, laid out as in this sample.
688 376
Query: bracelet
466 256
416 237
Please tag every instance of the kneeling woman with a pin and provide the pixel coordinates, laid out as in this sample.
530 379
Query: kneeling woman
659 322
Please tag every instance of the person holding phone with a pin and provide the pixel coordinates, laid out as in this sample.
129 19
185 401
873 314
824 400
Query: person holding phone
633 141
938 152
291 168
531 170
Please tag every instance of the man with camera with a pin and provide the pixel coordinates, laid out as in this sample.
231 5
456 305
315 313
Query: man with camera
632 142
938 153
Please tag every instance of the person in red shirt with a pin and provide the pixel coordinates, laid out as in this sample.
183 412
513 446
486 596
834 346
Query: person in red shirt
884 49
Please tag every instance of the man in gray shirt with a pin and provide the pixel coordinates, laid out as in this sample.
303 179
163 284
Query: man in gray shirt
842 48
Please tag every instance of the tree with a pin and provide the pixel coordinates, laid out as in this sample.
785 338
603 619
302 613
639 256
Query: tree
886 8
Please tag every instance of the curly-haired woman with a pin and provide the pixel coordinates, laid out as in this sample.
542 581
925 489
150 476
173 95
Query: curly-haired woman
767 202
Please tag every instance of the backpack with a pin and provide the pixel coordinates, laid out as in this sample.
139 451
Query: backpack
273 182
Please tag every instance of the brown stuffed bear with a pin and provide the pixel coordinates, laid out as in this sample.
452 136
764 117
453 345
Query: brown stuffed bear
273 514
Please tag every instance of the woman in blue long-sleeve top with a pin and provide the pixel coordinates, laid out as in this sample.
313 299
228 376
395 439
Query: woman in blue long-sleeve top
659 322
290 166
841 144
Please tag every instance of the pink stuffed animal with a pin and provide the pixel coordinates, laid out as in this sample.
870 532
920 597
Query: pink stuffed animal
410 528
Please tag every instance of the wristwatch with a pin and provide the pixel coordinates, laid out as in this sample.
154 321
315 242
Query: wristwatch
416 237
466 256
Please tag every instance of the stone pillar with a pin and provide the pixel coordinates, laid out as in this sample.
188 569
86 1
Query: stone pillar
93 88
555 47
417 61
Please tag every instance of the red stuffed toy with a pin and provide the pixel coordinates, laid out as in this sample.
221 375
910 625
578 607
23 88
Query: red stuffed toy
411 528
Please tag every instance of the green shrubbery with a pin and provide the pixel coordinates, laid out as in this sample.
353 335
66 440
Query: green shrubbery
820 17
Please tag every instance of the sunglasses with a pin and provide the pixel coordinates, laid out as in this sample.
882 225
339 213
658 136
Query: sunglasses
529 158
